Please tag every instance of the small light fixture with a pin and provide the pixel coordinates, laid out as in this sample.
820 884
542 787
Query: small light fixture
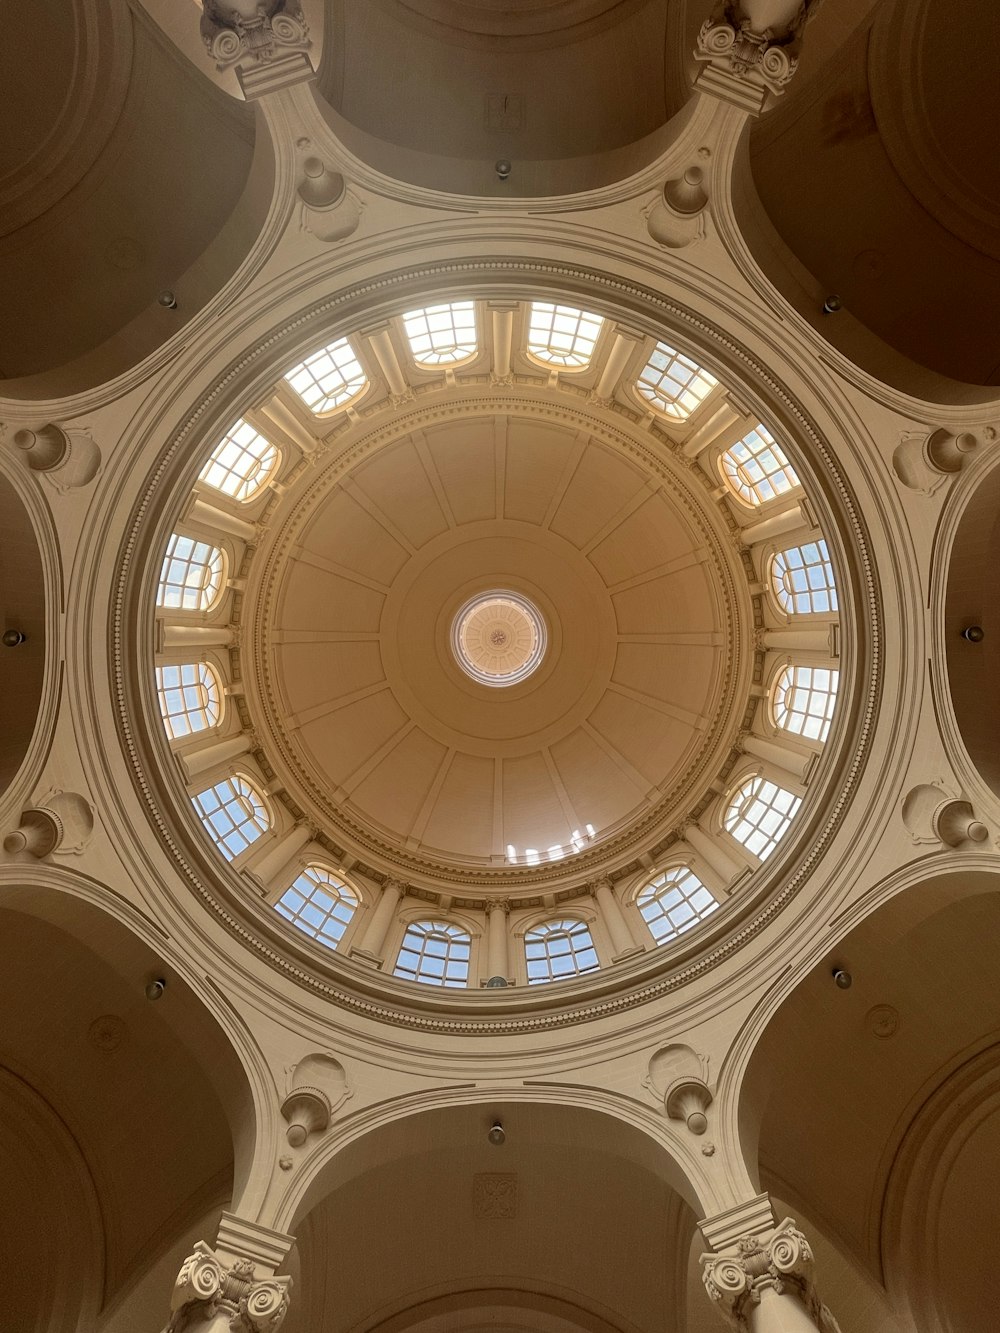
971 634
503 168
168 300
13 637
832 305
155 989
842 978
497 1135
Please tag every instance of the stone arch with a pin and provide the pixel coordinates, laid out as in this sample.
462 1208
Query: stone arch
863 1059
574 1162
157 1091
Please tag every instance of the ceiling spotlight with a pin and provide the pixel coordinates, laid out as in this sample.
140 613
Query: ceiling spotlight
155 989
842 978
168 300
12 637
503 168
832 304
497 1134
971 634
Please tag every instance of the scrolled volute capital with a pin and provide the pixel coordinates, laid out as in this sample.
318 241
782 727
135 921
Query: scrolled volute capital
782 1261
206 1287
200 1278
265 1307
731 41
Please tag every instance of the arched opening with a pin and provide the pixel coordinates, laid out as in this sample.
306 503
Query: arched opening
144 1114
974 599
573 1222
841 1075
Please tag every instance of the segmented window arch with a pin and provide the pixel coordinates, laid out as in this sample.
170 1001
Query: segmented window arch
673 902
191 575
234 814
759 814
673 383
190 697
557 949
756 469
803 580
435 952
329 378
562 335
242 462
319 904
440 335
804 699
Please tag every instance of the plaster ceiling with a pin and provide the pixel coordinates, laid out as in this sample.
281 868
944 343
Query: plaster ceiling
370 704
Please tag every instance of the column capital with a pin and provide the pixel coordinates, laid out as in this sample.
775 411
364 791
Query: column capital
210 1287
781 1263
498 904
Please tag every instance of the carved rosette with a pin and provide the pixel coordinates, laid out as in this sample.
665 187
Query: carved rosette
236 32
205 1287
783 1263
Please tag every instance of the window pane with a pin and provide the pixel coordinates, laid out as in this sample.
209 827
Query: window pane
803 700
442 334
190 698
802 579
557 949
756 468
673 383
673 902
759 814
242 463
234 814
434 952
329 378
191 576
319 904
562 335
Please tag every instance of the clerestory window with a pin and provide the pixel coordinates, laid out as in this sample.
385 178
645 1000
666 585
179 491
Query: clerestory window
673 383
191 575
319 904
756 469
803 700
558 949
233 813
242 463
190 698
802 579
329 378
441 335
673 902
561 335
436 953
759 814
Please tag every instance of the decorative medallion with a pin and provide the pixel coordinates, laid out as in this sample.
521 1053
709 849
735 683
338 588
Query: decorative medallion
498 638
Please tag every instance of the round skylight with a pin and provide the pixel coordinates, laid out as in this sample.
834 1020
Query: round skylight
498 638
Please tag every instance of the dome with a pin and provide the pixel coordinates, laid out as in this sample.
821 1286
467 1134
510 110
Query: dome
518 598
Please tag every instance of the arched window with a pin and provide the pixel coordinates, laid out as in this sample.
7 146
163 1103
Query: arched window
756 468
803 700
319 904
759 815
242 463
558 949
234 814
191 577
673 902
190 698
435 952
802 579
673 383
329 378
562 335
440 335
